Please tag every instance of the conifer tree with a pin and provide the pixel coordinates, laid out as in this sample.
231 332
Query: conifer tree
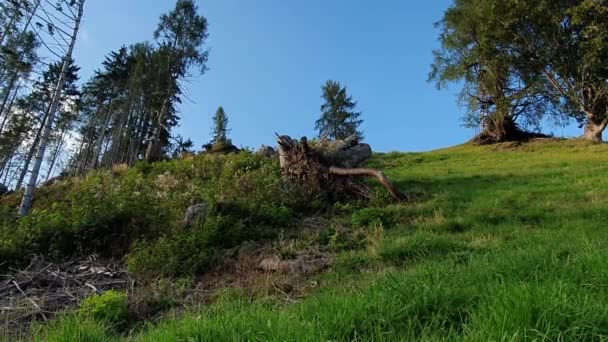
338 120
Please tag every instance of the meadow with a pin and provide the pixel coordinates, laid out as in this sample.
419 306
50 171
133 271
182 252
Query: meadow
504 243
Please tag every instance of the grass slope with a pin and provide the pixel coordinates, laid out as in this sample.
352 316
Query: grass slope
507 243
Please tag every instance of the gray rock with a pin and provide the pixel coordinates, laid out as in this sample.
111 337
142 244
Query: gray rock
266 151
195 214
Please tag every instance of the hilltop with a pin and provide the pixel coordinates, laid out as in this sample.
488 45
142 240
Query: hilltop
504 242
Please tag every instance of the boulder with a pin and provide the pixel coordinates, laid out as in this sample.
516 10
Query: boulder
266 151
195 214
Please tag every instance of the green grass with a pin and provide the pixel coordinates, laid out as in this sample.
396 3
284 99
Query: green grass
504 245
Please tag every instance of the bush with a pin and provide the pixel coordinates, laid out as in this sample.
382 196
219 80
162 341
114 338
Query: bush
136 213
110 308
367 217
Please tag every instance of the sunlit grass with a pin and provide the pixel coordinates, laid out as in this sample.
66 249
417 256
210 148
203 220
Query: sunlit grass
507 243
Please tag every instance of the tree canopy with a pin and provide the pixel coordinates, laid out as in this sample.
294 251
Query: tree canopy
338 120
526 61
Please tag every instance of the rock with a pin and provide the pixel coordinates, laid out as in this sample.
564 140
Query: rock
195 214
218 148
3 189
344 153
266 151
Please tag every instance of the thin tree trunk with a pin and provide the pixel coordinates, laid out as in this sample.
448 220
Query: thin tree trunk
7 91
26 203
99 144
56 154
31 152
7 116
153 150
143 128
7 169
11 22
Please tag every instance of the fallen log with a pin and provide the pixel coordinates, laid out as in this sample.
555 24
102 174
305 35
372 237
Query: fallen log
330 167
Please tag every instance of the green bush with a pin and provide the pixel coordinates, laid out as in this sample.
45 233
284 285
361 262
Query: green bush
189 251
368 217
109 307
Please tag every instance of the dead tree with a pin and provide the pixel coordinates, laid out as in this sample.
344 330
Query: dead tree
331 167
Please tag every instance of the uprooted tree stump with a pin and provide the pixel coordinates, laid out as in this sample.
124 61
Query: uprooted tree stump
331 167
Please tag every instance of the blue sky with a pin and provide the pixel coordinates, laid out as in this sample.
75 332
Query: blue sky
269 58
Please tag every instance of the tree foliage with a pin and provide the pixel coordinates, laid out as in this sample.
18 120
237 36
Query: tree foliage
526 61
338 120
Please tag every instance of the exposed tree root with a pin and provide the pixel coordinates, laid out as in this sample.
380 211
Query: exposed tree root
386 183
330 167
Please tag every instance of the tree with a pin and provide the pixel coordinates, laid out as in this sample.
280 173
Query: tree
220 128
564 45
474 52
28 196
338 119
39 101
522 61
220 142
181 35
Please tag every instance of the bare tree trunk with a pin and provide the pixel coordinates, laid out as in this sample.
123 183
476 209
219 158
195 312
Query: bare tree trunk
26 203
7 91
7 116
56 154
31 152
153 150
137 145
594 129
99 145
6 168
11 22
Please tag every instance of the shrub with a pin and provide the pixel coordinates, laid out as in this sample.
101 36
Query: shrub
109 307
135 213
368 217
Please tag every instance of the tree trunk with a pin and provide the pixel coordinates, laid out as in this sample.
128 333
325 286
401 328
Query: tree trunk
99 145
31 152
7 116
56 154
594 129
153 150
10 23
7 92
26 202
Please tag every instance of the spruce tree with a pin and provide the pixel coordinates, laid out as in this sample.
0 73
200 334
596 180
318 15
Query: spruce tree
338 120
220 128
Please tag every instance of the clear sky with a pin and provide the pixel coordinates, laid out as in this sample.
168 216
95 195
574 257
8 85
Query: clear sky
269 58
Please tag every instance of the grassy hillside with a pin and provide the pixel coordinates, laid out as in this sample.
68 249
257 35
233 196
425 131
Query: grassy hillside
506 242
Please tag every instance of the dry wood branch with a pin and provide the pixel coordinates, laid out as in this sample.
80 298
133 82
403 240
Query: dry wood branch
52 287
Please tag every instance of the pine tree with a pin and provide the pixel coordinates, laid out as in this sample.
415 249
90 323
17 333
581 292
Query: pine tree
338 119
181 35
220 128
28 196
